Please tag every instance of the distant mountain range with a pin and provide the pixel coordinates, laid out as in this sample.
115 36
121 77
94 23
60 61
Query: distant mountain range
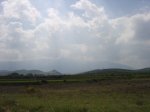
25 72
117 70
96 71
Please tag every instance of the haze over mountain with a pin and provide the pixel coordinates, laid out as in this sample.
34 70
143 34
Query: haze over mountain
33 72
73 36
62 66
120 71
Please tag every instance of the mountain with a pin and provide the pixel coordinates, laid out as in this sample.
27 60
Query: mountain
53 72
117 70
111 70
144 70
70 66
96 71
25 72
4 72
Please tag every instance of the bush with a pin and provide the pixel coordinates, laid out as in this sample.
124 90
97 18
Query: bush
64 81
36 109
2 109
139 103
44 81
70 109
8 105
30 90
10 102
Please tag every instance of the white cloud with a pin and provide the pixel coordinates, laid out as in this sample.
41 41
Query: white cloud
73 37
20 9
91 10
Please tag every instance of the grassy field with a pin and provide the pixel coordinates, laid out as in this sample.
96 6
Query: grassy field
121 95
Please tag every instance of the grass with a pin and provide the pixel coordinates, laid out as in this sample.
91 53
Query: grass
101 96
77 103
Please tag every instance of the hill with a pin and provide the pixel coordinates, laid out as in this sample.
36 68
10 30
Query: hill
116 71
25 72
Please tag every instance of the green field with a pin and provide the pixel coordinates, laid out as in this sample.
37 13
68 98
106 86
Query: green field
76 95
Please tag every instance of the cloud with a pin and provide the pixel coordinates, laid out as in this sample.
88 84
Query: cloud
134 39
141 26
90 9
20 10
74 38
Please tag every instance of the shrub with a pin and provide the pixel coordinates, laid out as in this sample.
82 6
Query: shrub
139 103
8 105
44 81
2 109
30 90
64 81
36 109
70 109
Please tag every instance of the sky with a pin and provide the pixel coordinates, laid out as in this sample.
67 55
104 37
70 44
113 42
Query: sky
73 36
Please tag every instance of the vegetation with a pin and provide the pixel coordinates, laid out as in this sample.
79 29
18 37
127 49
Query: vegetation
87 92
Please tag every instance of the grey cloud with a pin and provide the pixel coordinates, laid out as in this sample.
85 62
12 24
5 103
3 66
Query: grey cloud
142 29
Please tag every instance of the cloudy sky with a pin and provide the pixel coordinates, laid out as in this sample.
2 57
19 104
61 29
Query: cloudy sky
74 35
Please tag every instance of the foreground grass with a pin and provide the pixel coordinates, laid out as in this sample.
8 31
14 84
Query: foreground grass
107 96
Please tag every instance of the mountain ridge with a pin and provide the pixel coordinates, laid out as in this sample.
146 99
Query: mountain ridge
95 71
117 70
25 72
